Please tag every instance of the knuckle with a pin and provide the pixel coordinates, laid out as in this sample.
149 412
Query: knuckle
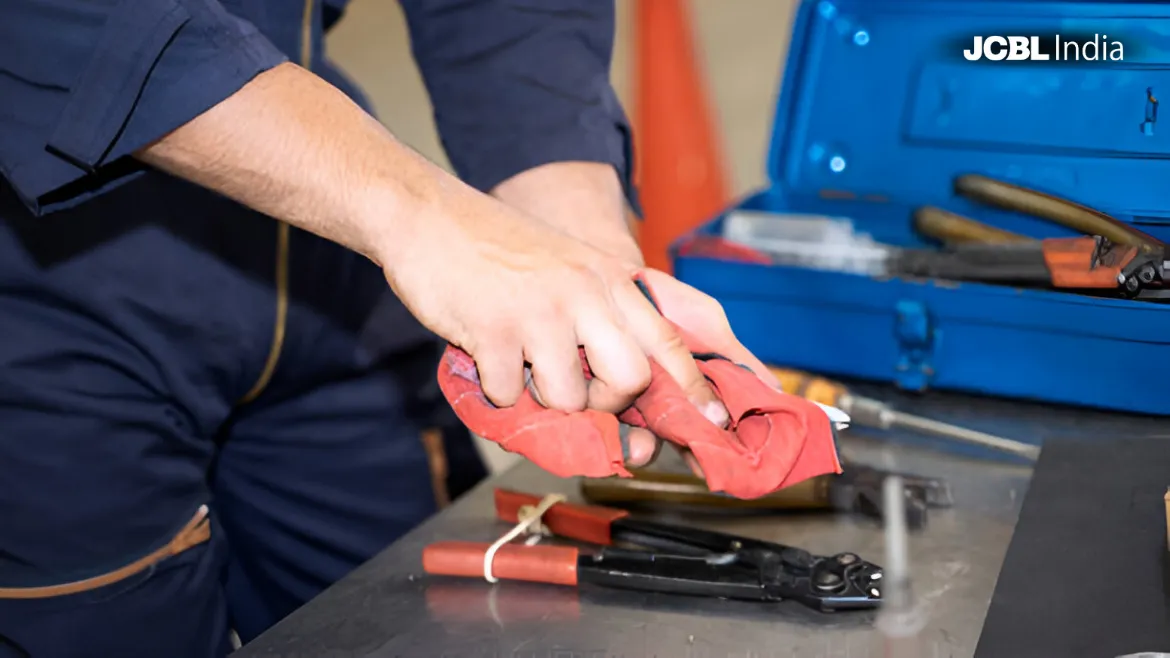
619 269
591 280
543 321
632 381
493 359
489 334
669 340
574 276
501 392
560 393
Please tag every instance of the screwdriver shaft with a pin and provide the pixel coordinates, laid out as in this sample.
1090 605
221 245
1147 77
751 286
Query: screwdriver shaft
868 412
965 435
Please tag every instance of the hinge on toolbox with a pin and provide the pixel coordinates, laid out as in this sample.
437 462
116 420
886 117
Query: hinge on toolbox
916 346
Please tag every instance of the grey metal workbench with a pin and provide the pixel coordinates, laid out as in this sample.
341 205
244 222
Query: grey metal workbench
389 609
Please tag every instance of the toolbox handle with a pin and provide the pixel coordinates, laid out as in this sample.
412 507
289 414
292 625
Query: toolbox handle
555 565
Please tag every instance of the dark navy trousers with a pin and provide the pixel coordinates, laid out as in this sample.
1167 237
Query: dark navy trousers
131 327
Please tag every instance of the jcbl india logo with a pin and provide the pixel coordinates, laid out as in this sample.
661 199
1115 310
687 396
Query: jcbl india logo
996 48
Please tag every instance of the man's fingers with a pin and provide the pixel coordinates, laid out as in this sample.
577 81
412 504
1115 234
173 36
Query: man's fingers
501 372
557 378
662 343
639 446
619 366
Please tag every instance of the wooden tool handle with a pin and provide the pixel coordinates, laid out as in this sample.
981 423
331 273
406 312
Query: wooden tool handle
1060 211
538 564
809 387
666 489
952 229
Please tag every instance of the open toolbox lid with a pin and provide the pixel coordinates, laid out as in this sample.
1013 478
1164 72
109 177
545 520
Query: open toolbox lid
879 104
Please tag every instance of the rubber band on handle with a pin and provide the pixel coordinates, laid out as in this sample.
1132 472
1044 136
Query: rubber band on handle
529 516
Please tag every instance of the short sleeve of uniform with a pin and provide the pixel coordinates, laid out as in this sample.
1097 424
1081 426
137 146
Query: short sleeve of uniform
520 83
85 83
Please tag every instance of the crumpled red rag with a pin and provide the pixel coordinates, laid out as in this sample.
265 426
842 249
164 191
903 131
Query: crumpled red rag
774 440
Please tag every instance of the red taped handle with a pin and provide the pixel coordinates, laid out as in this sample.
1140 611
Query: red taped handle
556 565
588 523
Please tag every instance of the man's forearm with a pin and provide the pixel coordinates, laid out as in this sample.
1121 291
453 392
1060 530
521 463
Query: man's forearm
292 146
583 199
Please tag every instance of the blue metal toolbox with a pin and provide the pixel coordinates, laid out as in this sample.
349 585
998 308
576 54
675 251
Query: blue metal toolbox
878 113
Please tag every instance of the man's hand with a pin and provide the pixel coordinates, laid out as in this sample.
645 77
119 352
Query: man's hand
505 287
585 200
509 289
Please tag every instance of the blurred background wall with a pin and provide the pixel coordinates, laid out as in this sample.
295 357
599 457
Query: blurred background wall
741 46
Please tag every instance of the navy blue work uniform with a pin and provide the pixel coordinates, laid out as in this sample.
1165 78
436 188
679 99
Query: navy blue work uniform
163 349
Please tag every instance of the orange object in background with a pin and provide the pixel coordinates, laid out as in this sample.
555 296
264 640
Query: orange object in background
679 167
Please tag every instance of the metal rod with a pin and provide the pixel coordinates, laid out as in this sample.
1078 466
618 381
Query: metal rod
965 435
901 619
897 569
868 412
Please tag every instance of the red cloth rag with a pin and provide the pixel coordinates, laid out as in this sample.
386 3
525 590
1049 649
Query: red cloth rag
774 439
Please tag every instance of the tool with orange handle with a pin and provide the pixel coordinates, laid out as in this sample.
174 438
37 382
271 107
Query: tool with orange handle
1089 264
1114 257
680 560
868 412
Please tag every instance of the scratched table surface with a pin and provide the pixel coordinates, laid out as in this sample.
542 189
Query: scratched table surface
389 608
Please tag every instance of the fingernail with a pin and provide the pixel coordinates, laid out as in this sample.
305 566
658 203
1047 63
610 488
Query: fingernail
716 413
639 447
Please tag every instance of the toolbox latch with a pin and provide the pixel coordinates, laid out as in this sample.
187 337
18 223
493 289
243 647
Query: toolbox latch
916 338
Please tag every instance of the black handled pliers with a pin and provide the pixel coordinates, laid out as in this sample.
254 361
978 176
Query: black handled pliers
673 559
